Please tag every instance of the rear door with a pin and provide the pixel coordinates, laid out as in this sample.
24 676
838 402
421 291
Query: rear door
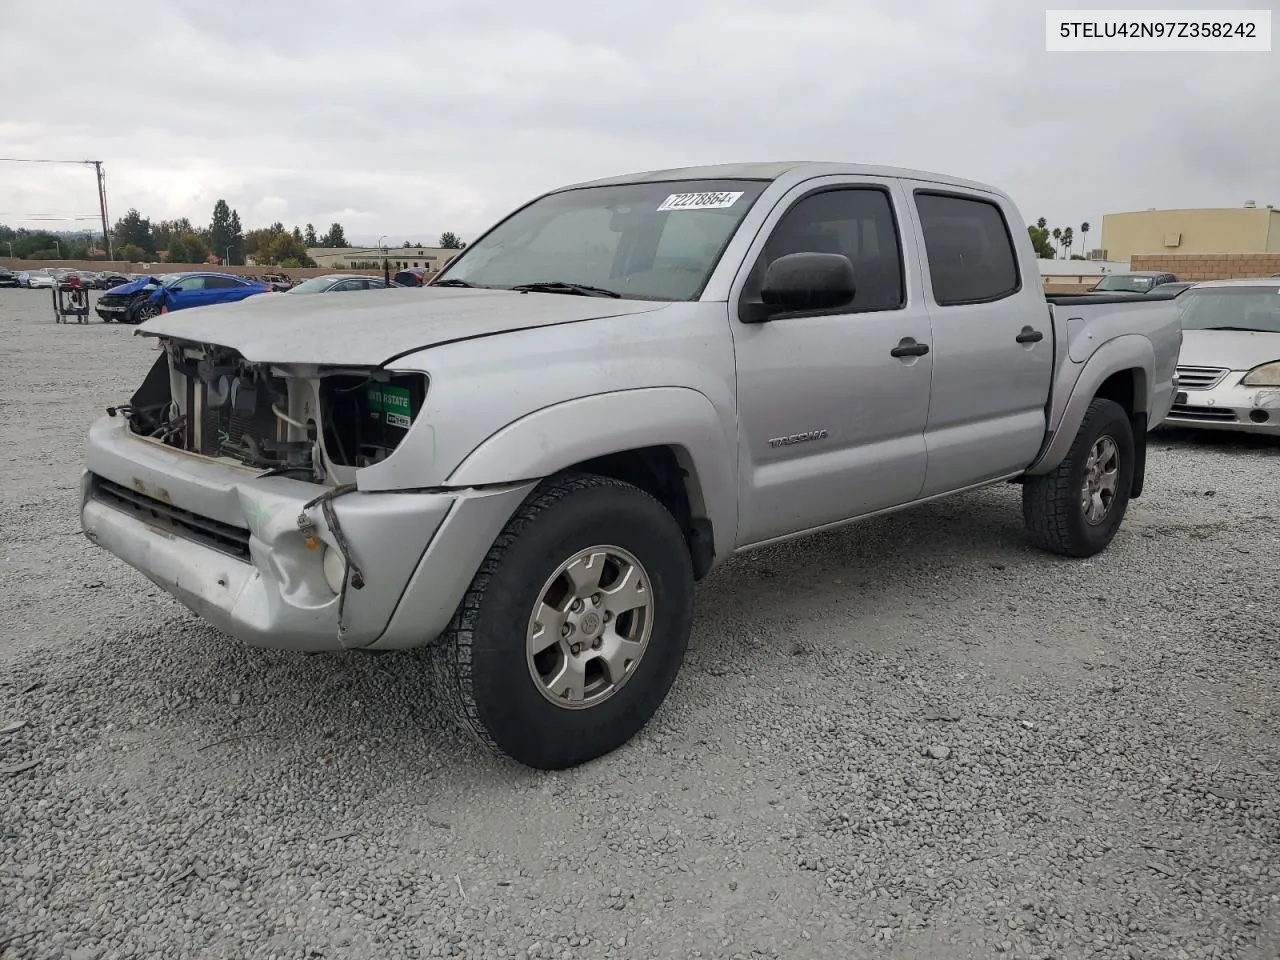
993 343
226 289
831 408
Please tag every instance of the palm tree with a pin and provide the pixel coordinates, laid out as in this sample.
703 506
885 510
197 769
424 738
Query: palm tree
1068 239
1084 236
1041 223
1057 238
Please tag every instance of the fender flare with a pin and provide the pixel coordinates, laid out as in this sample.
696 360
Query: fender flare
553 438
1129 352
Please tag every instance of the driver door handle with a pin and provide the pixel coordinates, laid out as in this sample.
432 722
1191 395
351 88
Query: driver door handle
1029 335
908 347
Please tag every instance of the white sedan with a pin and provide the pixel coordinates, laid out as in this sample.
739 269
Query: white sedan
1229 368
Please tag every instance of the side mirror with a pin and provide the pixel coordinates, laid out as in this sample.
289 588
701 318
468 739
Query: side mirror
804 281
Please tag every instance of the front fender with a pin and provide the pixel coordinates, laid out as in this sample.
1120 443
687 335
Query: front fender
559 436
1072 396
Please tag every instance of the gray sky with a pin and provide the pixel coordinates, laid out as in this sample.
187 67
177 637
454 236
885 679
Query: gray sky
444 115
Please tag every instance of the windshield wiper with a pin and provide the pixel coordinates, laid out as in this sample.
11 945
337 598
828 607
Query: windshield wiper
1239 329
452 283
560 286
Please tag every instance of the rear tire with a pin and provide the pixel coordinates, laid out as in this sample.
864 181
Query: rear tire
1077 509
553 659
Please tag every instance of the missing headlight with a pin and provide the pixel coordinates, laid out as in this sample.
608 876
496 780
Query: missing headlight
366 418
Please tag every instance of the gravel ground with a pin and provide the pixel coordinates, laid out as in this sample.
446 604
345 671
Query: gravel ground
913 738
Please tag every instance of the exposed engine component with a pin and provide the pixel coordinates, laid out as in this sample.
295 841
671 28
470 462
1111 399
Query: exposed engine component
213 402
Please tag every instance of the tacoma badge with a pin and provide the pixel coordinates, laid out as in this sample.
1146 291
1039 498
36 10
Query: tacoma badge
798 438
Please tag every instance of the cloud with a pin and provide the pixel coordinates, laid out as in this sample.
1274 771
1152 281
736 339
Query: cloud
417 120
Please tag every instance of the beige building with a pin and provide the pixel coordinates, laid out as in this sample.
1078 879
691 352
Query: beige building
1247 229
398 258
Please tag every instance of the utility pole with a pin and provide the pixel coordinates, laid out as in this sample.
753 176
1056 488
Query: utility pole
102 205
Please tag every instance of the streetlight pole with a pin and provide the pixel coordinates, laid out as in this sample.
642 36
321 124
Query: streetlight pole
386 268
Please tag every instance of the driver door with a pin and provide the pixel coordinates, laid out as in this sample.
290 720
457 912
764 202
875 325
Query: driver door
831 422
187 292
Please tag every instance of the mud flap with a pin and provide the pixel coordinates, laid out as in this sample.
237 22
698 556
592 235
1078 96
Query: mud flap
1139 421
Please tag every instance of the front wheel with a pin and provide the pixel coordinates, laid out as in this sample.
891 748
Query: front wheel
143 310
575 626
1077 509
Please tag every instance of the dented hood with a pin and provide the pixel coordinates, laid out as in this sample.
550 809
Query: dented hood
369 328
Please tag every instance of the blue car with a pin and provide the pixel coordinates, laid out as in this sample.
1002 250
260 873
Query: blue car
144 298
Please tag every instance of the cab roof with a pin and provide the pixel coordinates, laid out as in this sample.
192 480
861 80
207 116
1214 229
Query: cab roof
778 169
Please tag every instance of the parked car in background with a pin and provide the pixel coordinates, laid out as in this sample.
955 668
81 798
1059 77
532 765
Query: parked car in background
86 278
340 283
1229 367
1141 281
112 279
411 277
33 279
9 278
141 299
1170 289
791 347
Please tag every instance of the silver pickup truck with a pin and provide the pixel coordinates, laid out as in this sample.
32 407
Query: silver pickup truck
529 463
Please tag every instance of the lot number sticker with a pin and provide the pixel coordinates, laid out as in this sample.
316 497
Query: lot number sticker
699 201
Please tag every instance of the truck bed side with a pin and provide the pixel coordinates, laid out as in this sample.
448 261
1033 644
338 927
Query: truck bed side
1118 347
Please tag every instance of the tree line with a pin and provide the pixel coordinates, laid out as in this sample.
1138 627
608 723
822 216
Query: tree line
1050 243
224 238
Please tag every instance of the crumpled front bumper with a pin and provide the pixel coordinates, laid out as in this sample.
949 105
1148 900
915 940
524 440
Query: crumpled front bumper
226 543
1228 406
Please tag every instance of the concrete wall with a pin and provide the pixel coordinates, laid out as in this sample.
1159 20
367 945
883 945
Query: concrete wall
1193 232
1216 266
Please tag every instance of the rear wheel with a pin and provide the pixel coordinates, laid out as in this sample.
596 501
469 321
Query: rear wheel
1077 509
574 628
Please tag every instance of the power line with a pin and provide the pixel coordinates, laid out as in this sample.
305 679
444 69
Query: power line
102 190
31 160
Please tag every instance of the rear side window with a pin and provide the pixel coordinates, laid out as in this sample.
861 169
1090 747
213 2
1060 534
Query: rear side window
971 256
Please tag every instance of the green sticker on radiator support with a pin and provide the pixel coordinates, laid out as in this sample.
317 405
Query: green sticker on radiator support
390 402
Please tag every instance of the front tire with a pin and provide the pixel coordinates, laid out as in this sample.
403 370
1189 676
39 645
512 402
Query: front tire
575 626
142 310
1077 509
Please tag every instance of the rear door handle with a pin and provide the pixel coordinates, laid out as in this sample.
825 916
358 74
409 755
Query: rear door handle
1029 335
908 347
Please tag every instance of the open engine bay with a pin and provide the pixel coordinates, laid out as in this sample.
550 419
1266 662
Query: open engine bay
307 422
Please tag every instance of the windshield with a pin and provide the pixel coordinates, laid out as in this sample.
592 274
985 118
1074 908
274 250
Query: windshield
646 241
314 285
1240 308
1125 283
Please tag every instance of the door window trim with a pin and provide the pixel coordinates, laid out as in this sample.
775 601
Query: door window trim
768 231
924 244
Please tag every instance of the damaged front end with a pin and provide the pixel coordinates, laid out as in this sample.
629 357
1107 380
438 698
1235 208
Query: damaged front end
307 422
227 483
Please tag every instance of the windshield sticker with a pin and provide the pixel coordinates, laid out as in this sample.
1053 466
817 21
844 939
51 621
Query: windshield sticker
699 201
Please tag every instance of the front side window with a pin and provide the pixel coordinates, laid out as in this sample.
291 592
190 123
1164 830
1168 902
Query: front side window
648 241
971 256
1254 309
186 284
857 222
